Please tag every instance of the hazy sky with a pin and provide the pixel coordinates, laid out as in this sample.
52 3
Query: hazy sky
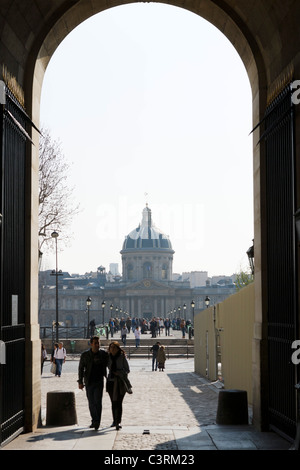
153 104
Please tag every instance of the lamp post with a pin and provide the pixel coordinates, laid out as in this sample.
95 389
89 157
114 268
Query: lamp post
103 307
88 304
250 254
193 308
56 273
207 300
184 313
112 326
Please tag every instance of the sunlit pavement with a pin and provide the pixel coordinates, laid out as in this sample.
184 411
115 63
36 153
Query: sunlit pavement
174 410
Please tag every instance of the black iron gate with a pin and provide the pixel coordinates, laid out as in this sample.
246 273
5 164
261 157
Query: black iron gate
281 262
12 266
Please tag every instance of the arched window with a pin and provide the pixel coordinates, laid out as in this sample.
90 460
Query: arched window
147 270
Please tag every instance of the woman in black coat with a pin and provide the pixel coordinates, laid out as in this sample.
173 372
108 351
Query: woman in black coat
117 382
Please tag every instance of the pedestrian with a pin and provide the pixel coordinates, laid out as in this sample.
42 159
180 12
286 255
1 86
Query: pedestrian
111 327
137 334
161 325
52 359
154 349
123 335
117 382
167 326
92 327
117 325
91 370
161 358
153 327
128 324
55 346
43 357
60 358
182 327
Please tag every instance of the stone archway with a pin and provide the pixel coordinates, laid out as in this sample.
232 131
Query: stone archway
266 38
237 31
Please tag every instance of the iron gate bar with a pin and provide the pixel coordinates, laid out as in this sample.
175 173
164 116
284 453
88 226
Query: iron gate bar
281 262
18 125
14 102
12 267
271 109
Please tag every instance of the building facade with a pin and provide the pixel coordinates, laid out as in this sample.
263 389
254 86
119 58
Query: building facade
146 288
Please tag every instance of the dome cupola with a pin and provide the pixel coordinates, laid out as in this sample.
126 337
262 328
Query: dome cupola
147 236
147 252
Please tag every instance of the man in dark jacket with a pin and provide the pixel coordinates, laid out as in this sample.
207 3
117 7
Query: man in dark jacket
91 370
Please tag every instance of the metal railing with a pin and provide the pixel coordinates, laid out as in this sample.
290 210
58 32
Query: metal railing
171 350
71 332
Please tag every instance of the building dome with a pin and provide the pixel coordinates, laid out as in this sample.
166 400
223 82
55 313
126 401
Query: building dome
147 253
146 236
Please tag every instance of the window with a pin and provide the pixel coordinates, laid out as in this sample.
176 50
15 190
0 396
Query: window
164 271
130 272
147 270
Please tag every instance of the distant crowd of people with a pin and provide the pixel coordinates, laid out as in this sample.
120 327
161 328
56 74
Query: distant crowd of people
156 326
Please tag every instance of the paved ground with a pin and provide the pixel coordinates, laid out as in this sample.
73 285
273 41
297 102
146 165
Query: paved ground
170 411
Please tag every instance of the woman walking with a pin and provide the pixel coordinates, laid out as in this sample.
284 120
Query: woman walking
60 358
161 358
117 382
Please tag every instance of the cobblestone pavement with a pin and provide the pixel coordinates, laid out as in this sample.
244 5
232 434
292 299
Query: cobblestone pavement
161 402
171 411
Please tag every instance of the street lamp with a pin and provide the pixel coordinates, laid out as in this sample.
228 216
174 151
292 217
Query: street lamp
193 307
250 254
88 304
207 300
56 273
103 307
184 309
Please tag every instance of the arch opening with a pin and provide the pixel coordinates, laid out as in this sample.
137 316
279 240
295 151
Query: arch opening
173 164
232 22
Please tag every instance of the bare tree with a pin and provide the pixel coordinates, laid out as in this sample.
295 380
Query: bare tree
56 208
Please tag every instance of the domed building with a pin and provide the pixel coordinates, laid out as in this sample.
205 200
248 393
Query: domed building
147 252
144 290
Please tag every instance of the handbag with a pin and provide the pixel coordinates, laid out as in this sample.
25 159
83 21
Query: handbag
53 368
